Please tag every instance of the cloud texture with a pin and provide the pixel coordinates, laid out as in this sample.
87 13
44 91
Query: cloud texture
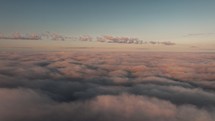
87 38
107 86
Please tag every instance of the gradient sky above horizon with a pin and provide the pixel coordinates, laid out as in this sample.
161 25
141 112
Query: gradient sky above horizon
180 21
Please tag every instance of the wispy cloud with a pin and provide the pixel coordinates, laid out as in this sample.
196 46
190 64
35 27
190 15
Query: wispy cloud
88 38
19 36
199 34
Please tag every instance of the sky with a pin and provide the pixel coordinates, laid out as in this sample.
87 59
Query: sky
182 22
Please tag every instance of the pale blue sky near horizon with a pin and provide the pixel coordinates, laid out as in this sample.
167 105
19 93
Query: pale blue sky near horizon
169 20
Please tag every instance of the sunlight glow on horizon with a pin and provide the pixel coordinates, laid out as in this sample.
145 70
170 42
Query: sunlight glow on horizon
188 23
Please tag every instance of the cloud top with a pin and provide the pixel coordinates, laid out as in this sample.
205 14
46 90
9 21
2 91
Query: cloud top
106 86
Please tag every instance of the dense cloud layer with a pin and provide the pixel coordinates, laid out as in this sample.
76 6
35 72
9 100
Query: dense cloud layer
107 86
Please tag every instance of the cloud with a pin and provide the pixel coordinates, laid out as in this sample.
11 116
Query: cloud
162 43
199 34
102 108
112 39
19 36
129 40
87 38
53 36
168 43
101 85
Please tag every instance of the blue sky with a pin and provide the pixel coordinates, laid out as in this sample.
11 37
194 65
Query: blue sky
158 20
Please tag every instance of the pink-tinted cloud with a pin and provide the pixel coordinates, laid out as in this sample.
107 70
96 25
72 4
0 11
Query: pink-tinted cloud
87 38
107 86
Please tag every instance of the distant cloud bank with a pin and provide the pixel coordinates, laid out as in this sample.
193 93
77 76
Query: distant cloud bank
19 36
199 34
88 38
